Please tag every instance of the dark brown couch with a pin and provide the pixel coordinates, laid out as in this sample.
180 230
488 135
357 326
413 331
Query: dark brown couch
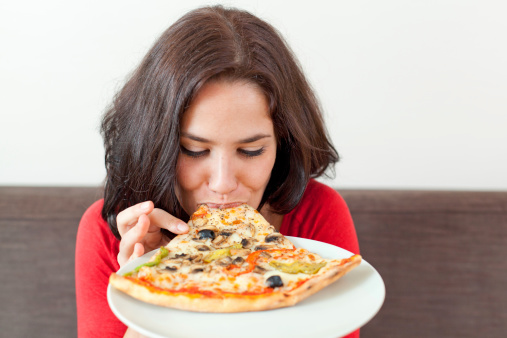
442 255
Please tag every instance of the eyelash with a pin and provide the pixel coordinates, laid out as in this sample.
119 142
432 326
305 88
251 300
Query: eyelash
246 153
251 153
193 154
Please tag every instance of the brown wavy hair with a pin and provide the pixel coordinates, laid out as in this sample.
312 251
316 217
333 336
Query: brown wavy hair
141 128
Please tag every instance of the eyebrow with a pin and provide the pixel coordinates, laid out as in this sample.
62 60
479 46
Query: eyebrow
245 140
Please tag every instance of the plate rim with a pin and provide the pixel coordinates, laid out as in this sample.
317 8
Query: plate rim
146 256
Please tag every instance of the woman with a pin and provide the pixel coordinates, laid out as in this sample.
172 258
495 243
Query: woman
218 112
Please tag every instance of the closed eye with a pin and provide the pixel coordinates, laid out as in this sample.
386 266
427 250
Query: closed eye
252 153
194 154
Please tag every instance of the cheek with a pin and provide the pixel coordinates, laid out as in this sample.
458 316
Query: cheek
259 172
187 175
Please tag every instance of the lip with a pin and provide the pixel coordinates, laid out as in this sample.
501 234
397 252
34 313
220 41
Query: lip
224 205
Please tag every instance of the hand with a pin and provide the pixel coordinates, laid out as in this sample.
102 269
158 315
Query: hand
140 230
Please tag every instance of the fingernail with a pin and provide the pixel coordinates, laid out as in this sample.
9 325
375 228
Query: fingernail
182 227
145 206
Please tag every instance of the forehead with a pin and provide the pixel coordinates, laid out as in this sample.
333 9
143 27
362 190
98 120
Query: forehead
227 110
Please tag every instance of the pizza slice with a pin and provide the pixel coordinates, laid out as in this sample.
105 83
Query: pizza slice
231 260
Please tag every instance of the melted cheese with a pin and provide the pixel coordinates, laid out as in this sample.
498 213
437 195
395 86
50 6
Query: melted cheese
186 254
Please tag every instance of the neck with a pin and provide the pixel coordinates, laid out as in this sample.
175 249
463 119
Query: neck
272 218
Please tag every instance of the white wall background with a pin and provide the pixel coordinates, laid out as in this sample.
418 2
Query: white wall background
415 92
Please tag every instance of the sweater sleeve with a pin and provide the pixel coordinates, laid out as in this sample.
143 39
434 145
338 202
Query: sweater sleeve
96 252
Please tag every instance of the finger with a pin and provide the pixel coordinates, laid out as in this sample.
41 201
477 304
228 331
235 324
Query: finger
135 235
163 219
132 237
128 217
138 251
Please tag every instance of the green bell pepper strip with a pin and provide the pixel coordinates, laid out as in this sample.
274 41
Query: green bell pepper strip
162 253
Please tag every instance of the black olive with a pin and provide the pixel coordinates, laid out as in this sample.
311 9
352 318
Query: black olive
274 281
206 233
244 242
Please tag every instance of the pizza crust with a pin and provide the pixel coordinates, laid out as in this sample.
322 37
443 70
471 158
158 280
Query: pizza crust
229 302
331 275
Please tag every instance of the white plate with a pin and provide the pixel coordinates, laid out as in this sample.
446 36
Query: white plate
335 311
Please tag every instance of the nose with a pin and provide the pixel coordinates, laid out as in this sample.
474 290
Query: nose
222 178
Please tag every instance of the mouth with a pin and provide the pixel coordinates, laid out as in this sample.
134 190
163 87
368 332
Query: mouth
224 205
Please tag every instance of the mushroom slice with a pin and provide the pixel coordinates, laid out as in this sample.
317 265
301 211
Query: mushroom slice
274 238
250 228
224 261
238 260
173 261
186 262
209 227
197 258
218 240
200 221
247 243
264 247
203 248
226 233
259 269
198 268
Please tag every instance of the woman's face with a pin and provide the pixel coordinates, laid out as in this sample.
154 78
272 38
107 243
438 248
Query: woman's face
228 147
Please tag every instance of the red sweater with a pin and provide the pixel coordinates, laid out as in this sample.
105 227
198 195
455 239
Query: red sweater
321 215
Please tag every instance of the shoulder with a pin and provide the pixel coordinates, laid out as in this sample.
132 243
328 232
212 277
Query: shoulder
93 229
319 196
95 241
319 201
92 218
94 211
